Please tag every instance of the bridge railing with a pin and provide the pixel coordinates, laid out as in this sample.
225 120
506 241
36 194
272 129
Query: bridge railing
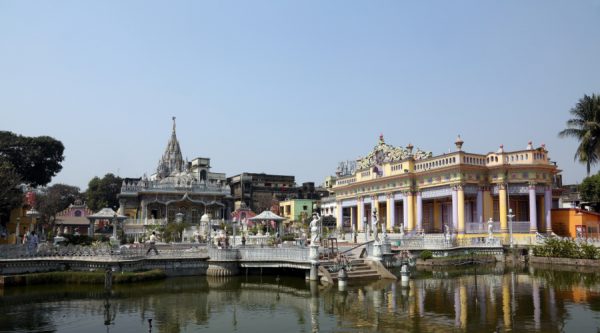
293 254
100 251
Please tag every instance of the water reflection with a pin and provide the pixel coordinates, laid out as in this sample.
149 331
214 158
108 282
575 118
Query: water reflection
474 300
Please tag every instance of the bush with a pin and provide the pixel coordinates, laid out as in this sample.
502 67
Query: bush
288 237
566 248
78 239
426 255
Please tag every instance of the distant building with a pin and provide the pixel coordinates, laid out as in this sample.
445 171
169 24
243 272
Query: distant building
259 190
576 223
296 209
570 196
74 219
458 191
189 188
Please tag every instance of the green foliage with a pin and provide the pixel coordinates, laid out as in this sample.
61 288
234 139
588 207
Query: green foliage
35 159
590 189
102 192
585 127
566 248
426 255
78 240
55 199
10 195
173 231
288 237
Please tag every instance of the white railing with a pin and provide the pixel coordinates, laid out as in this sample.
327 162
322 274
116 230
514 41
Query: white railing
294 254
441 241
481 228
520 227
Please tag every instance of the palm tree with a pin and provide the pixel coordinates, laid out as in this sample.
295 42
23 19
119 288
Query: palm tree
585 126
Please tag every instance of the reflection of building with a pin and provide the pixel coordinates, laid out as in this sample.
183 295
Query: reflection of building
459 190
260 189
189 188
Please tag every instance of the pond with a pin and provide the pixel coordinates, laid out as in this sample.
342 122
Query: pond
468 300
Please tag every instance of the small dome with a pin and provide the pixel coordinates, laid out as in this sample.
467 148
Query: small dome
205 218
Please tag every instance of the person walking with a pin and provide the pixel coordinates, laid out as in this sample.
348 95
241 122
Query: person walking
152 244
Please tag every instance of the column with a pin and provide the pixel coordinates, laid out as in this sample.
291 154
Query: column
361 214
479 217
437 219
339 223
503 211
547 208
405 210
391 204
488 204
91 229
460 193
532 210
352 218
541 213
419 212
411 211
454 210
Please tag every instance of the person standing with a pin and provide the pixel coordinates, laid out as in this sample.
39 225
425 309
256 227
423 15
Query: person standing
152 244
32 243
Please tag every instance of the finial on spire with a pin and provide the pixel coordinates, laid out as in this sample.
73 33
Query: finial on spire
459 143
173 124
381 138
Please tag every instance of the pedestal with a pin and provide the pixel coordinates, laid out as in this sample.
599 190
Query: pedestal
313 256
377 254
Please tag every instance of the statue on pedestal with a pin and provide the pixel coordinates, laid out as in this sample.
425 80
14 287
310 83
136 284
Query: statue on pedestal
375 225
314 228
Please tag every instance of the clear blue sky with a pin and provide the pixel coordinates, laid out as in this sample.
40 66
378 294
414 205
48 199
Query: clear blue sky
292 87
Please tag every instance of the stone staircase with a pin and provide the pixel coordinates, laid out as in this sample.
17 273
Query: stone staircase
359 270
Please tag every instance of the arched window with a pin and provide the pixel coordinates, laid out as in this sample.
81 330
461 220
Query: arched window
203 175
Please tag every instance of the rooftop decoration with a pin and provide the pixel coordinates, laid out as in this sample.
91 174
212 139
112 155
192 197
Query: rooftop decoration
385 153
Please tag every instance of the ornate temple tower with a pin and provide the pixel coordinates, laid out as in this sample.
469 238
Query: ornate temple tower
171 161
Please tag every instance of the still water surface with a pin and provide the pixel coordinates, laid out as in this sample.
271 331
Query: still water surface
482 300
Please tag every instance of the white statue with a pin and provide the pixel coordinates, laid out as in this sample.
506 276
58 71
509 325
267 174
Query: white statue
374 224
447 232
490 228
314 228
401 229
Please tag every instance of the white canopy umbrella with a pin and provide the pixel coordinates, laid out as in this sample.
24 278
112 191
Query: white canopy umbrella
268 215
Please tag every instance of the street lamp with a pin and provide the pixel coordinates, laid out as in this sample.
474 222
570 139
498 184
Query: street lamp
510 225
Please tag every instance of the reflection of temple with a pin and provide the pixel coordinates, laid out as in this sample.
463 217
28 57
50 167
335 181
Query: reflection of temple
189 188
460 191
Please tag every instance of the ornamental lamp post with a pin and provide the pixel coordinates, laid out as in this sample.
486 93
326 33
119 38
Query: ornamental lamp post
510 225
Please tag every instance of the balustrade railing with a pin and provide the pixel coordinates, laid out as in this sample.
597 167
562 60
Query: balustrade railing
102 251
481 228
441 241
298 254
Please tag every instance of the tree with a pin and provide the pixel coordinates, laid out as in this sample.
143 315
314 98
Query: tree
11 195
55 199
102 192
585 126
35 159
590 190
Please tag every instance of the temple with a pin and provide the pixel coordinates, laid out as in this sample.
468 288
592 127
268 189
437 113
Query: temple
459 192
178 190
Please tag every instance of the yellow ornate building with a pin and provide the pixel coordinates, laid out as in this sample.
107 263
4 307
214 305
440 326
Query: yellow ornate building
457 192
